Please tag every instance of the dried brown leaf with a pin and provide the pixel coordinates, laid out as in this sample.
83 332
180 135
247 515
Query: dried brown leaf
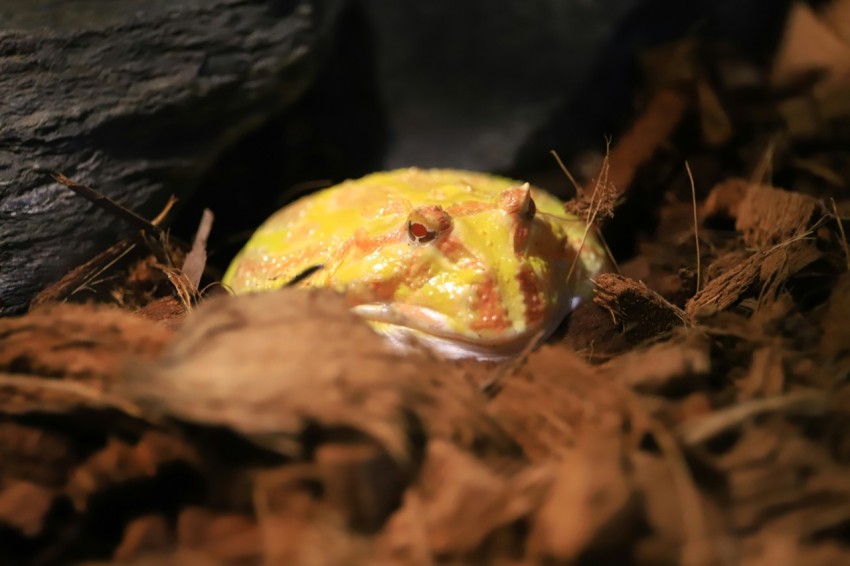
24 506
267 365
725 198
459 503
145 535
592 506
835 340
683 362
568 396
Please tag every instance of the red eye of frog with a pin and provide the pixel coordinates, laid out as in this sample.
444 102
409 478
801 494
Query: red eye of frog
426 223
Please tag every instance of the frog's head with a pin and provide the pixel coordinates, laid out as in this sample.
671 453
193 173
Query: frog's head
468 278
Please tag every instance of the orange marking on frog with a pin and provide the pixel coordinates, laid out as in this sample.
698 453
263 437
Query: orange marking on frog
369 244
470 207
487 303
529 286
393 207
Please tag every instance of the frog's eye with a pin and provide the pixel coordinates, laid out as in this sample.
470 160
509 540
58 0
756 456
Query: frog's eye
518 201
426 223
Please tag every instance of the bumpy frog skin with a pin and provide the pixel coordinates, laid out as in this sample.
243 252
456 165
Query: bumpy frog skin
468 264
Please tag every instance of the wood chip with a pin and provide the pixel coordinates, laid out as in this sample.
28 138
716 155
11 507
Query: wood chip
768 216
771 268
24 506
683 362
810 46
724 199
835 340
590 509
145 535
81 342
642 313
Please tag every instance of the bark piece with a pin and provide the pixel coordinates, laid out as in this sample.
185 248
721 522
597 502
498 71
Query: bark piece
669 365
770 268
641 313
569 398
361 482
145 535
835 340
461 504
24 505
724 199
222 536
592 506
768 216
84 343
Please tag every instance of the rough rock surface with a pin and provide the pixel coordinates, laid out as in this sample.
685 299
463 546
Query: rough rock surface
135 98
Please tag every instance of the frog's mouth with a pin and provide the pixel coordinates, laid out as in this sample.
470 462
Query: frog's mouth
407 325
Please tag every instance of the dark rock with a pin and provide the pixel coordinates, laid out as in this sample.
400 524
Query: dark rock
466 83
495 84
136 98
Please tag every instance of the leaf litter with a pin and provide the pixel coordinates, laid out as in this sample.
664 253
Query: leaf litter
696 412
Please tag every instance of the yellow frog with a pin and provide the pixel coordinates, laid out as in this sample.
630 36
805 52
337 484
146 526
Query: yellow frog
467 264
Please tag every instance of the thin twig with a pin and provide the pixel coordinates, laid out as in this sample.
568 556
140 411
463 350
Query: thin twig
566 171
109 205
844 244
696 223
92 278
593 211
705 428
762 169
169 204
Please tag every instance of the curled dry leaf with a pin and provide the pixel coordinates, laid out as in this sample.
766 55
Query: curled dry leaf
724 199
147 534
835 340
268 365
568 395
24 505
456 490
682 362
592 506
